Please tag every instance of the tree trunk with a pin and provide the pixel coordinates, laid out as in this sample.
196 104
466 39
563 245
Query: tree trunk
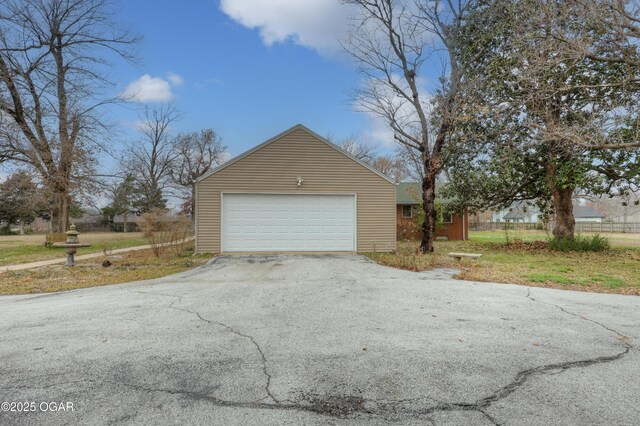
60 214
429 206
564 227
565 222
124 219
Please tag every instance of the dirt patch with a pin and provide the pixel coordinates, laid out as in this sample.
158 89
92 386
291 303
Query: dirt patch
334 405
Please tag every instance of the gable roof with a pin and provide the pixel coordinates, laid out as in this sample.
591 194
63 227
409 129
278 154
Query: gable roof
522 210
280 136
411 193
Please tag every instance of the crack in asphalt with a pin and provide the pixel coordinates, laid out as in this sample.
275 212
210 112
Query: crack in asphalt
382 406
479 405
624 338
263 357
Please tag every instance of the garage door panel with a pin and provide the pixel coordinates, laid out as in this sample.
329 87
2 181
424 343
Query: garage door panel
276 222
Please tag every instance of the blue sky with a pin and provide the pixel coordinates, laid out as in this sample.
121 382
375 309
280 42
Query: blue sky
249 73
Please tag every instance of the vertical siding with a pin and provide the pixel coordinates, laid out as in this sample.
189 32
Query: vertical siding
274 168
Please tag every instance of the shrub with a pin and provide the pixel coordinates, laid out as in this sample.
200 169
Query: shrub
165 232
407 230
579 243
6 230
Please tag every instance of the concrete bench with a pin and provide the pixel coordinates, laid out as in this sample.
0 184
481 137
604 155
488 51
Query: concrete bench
57 237
459 256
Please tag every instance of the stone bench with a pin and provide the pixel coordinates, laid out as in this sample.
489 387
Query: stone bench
459 256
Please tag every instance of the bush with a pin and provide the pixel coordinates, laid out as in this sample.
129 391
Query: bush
407 230
165 232
6 230
579 243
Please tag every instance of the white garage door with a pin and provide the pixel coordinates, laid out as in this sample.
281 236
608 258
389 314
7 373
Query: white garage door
269 222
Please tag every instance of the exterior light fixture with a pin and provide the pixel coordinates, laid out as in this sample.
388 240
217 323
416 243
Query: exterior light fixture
299 181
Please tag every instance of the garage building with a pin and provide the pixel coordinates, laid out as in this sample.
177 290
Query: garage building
295 192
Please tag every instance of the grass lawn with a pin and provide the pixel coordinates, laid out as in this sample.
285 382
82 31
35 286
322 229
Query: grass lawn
15 249
526 260
132 266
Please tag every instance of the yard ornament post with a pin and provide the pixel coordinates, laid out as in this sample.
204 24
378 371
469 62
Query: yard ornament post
72 244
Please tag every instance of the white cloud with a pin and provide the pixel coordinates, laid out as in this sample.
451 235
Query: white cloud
317 24
175 79
380 132
152 89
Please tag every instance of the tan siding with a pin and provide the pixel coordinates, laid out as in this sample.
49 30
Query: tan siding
274 169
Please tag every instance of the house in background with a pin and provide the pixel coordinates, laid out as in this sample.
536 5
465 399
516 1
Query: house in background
93 220
523 212
408 201
520 212
585 213
295 192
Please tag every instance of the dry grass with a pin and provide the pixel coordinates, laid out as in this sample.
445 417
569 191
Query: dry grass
15 249
527 261
97 237
132 266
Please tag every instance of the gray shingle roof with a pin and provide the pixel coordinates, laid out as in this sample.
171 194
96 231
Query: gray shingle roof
523 211
586 212
517 215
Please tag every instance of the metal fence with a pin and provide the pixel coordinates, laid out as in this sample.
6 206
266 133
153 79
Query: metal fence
595 227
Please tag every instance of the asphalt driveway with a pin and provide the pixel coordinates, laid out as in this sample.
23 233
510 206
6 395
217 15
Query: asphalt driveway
319 340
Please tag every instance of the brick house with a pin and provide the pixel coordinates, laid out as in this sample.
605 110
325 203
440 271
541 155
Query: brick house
451 226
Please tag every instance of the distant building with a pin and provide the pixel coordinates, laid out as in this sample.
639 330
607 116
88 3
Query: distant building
96 221
520 212
587 214
523 212
451 226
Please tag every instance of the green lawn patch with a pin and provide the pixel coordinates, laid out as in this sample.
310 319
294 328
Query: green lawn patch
527 260
608 280
550 278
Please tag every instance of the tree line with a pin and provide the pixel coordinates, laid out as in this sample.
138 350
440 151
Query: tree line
536 100
505 100
55 58
161 164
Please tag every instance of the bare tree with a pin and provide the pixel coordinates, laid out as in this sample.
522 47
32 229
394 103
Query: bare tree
363 151
391 41
390 166
53 71
411 161
196 153
150 160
